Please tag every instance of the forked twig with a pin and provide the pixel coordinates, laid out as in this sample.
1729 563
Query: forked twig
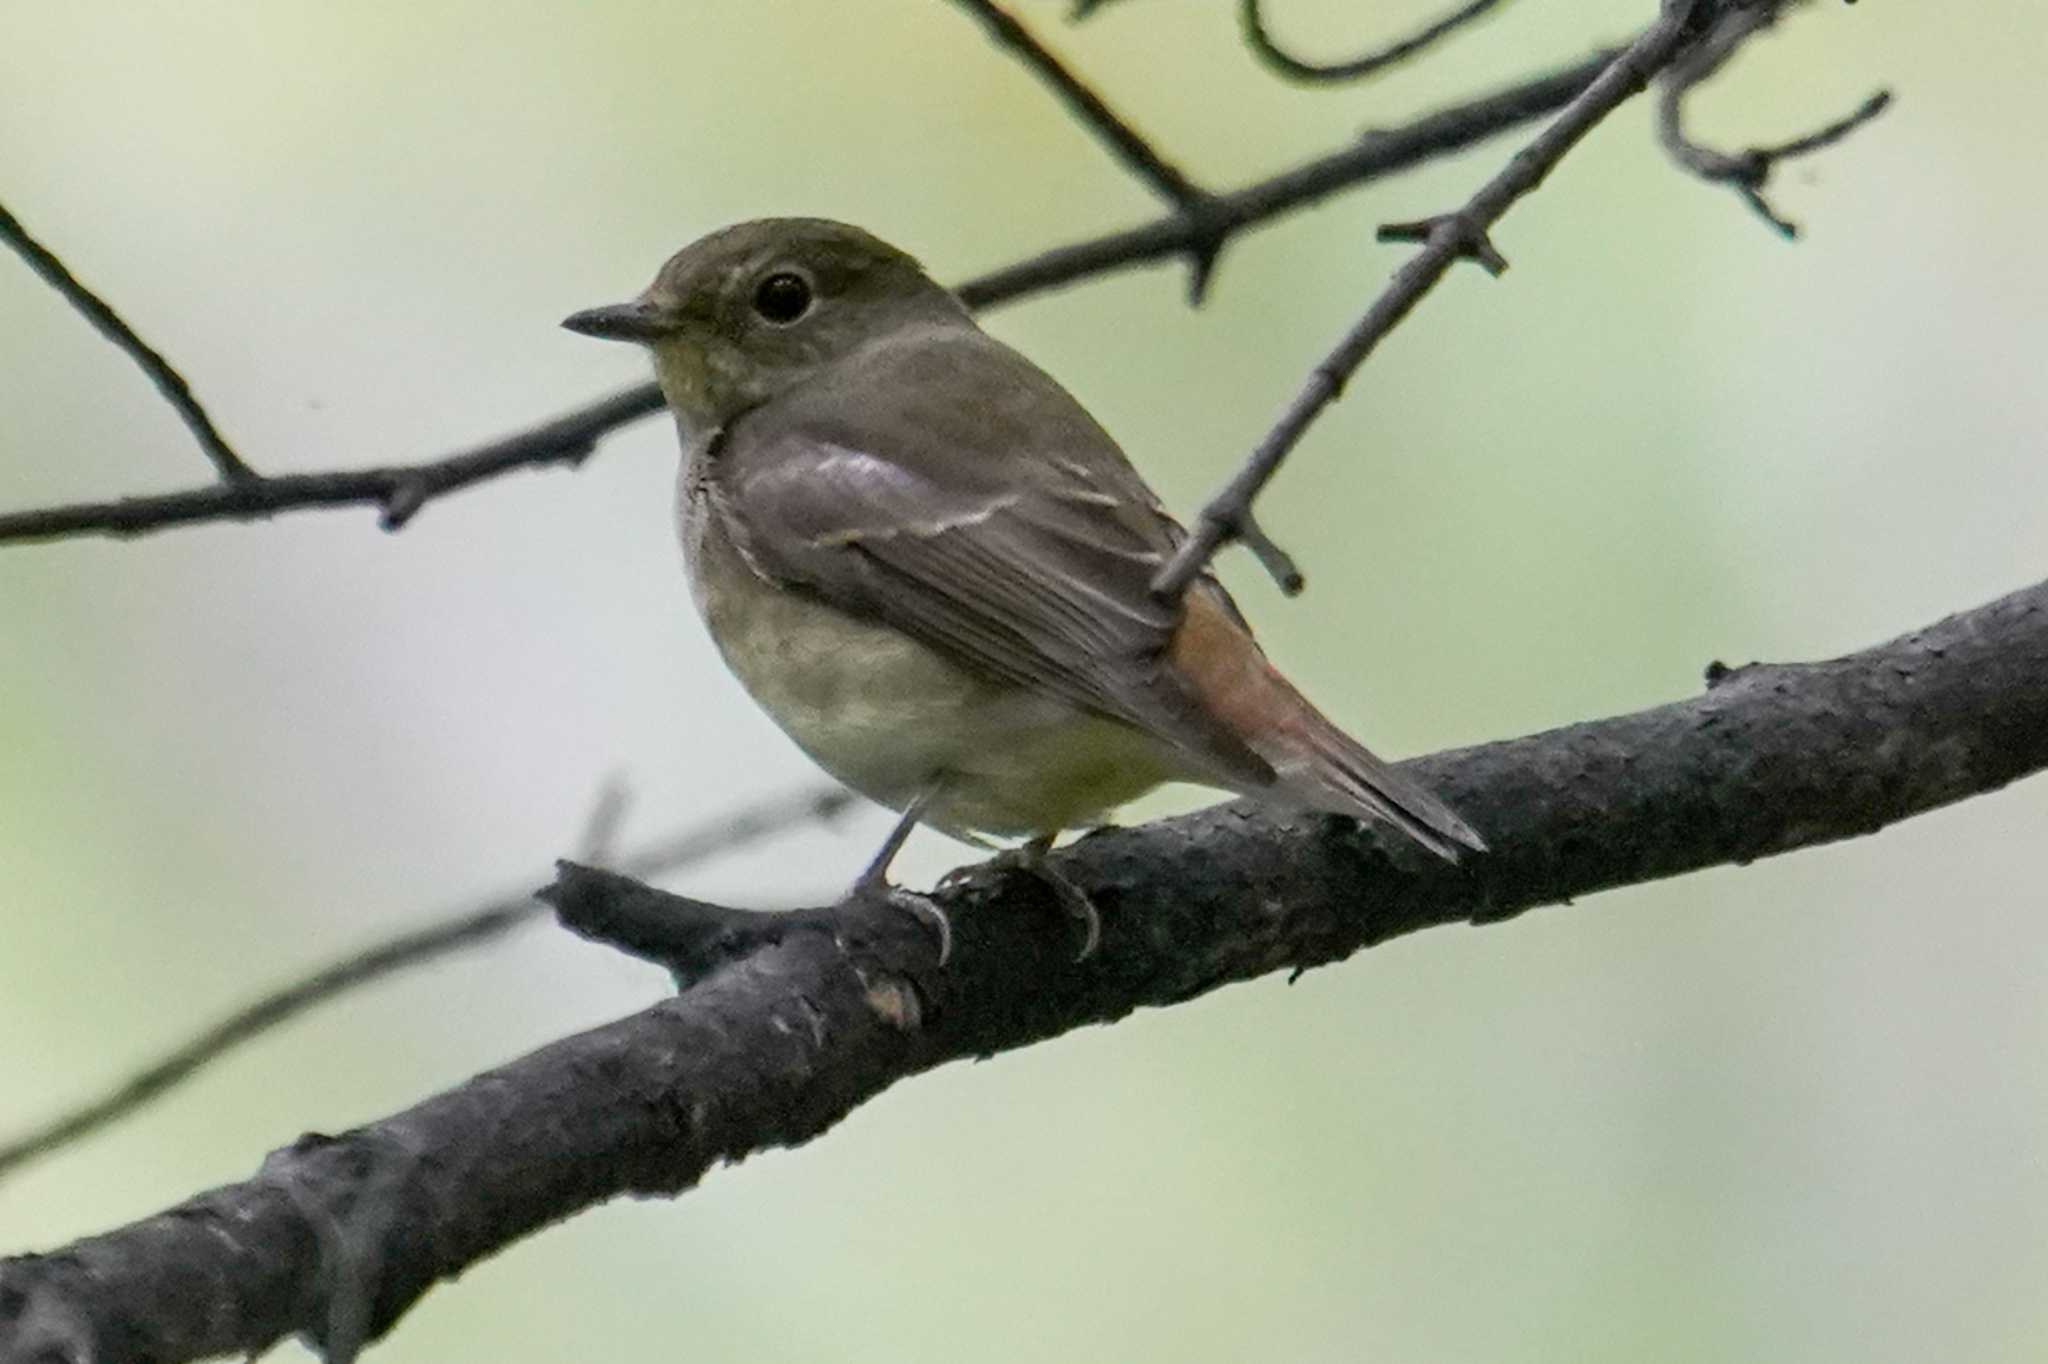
1747 171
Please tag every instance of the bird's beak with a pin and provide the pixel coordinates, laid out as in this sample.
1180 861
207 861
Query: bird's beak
635 321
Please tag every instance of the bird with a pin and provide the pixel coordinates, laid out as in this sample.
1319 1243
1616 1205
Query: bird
932 567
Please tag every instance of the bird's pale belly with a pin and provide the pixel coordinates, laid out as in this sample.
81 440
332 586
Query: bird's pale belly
888 716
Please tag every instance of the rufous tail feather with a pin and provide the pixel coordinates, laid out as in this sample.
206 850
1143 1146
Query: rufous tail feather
1324 767
1318 765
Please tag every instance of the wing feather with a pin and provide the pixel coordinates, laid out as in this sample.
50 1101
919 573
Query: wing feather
943 484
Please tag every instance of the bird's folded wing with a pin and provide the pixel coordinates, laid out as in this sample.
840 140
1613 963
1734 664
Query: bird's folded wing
1003 529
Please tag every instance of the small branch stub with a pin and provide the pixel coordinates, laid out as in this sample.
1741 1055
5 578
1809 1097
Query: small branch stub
1473 244
1276 561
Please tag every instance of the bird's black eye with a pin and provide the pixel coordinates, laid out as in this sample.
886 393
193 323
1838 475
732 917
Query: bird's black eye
782 297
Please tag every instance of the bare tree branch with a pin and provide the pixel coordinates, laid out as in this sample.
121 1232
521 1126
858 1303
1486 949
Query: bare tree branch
108 323
401 490
1747 172
1250 13
1451 237
437 938
789 1021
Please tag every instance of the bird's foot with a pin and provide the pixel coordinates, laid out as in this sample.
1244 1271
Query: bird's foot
1075 901
877 890
1030 858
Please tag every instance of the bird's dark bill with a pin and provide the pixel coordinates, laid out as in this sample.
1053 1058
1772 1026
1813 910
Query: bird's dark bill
619 322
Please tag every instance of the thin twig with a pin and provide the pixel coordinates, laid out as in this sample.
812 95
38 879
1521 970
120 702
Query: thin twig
1452 237
1115 132
434 939
108 323
1087 107
399 491
1746 172
566 439
1356 68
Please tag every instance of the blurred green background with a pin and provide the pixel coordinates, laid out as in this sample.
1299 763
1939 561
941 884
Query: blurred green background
1797 1111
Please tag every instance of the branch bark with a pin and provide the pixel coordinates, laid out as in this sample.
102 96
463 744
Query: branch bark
786 1022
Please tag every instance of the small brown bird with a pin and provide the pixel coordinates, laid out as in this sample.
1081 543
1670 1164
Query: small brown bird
931 566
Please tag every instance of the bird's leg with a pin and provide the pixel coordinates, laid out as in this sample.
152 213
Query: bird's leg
873 882
875 878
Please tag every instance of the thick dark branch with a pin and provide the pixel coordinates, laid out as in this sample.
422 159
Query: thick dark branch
401 490
794 1019
431 941
97 311
1251 13
1747 172
1451 237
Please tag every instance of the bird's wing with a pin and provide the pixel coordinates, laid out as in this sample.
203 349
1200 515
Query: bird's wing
942 484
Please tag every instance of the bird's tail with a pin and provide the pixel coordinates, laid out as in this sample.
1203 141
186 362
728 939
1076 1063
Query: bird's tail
1312 762
1326 769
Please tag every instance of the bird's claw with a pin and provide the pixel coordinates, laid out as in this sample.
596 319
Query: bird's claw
1076 902
1030 859
910 902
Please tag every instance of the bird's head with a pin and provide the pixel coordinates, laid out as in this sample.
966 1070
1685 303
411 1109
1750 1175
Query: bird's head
740 315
